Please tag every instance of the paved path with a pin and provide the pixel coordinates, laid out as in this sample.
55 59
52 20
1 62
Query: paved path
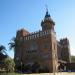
68 73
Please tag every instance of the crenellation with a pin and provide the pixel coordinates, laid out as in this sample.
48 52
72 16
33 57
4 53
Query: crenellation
36 35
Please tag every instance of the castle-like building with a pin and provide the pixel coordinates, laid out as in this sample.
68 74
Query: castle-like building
41 47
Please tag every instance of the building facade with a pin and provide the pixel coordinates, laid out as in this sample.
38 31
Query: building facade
41 47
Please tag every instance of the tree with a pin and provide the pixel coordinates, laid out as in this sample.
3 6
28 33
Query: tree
3 53
12 44
2 49
35 67
9 64
72 58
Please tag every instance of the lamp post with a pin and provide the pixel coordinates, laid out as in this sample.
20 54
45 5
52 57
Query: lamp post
21 66
21 61
54 64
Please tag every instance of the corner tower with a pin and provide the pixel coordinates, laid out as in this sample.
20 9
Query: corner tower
47 23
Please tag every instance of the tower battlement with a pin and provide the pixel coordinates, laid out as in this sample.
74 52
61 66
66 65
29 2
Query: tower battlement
36 35
64 41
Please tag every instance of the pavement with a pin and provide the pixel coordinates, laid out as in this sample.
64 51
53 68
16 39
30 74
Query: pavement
62 73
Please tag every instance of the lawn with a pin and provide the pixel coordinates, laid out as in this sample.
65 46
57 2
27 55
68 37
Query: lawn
9 74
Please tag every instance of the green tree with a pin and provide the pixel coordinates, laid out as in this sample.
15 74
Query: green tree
3 53
2 49
12 44
35 67
9 64
72 58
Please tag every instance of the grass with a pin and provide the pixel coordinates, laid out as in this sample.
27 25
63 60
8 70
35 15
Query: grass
9 74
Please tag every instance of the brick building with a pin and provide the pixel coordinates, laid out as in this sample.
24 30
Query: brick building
41 47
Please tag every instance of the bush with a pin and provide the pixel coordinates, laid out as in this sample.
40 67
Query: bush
9 64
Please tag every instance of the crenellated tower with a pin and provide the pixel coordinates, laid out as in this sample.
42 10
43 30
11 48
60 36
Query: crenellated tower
65 50
47 23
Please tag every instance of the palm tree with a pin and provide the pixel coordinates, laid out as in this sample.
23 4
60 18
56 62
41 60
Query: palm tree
2 49
12 44
3 53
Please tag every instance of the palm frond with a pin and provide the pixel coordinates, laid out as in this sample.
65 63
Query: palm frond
12 43
2 49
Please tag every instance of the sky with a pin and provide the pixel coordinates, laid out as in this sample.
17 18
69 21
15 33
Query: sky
28 14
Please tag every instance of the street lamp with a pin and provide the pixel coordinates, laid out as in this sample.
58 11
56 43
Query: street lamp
54 64
21 66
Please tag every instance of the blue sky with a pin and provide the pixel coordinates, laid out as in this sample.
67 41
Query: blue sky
17 14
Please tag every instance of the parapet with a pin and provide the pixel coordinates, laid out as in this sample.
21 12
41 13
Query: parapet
37 35
64 41
22 32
